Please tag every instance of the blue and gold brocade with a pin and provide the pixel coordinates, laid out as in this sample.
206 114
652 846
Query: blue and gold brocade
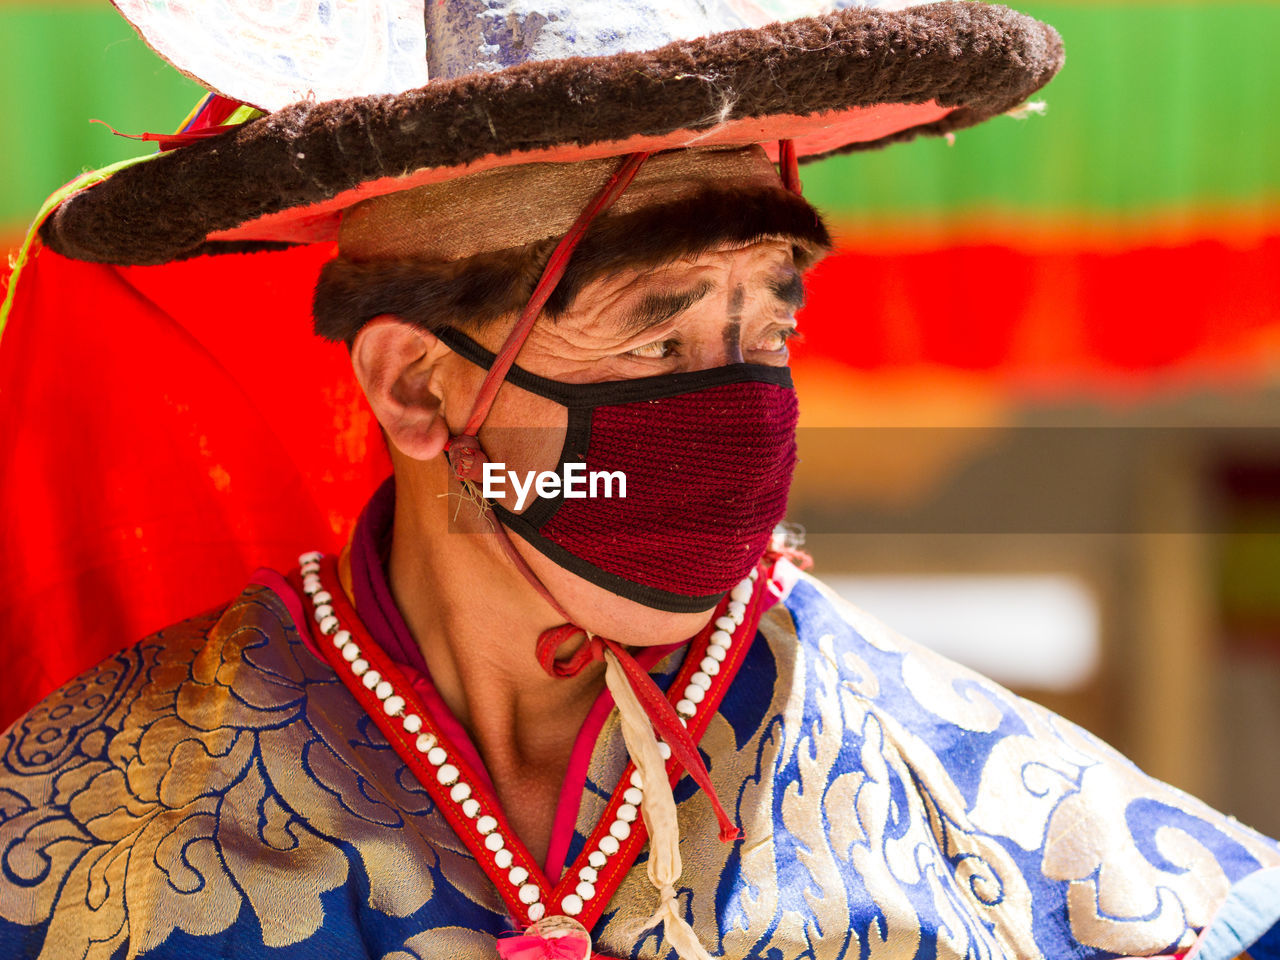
215 791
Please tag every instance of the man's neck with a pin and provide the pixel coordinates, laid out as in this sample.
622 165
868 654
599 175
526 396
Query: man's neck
476 621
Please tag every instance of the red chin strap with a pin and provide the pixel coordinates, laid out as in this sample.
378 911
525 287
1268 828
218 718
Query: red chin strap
661 714
467 457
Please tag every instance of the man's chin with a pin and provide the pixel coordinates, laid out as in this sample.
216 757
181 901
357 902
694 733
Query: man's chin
605 613
635 625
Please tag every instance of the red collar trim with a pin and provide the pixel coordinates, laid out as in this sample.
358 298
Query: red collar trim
346 646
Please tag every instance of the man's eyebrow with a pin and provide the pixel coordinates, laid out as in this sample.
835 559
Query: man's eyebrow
789 289
659 306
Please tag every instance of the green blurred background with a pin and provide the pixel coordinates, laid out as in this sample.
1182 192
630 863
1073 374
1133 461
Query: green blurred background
1159 107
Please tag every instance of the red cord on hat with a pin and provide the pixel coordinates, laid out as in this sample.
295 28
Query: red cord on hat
789 166
470 457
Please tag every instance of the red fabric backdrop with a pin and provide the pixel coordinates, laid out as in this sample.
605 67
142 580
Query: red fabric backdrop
165 432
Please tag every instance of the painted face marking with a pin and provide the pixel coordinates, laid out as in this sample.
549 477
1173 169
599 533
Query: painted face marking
733 329
735 303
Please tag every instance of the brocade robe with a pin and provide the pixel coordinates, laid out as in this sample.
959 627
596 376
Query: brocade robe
215 791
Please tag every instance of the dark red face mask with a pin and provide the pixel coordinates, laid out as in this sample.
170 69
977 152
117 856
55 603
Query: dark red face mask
707 457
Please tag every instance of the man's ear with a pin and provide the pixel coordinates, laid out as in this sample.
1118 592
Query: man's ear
395 363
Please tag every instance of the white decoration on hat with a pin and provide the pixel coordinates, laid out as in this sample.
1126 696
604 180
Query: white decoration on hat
272 55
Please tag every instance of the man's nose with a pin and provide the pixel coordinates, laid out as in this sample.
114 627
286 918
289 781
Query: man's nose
715 348
732 342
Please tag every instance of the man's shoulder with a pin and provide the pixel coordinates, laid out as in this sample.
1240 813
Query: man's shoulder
833 631
191 786
921 697
1003 783
202 651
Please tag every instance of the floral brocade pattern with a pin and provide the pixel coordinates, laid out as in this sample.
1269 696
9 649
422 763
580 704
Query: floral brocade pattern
896 805
215 784
215 791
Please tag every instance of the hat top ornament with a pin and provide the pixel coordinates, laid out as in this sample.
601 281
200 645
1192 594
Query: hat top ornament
269 55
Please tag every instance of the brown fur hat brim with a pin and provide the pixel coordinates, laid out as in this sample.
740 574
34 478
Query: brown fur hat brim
971 60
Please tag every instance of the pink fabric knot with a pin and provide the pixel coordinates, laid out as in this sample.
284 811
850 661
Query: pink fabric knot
534 947
654 702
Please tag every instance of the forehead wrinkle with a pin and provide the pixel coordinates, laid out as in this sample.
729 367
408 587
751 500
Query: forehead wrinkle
658 306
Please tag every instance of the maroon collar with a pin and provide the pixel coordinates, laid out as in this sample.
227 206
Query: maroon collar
370 548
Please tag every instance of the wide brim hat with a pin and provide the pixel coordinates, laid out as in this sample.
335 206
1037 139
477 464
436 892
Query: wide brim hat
350 107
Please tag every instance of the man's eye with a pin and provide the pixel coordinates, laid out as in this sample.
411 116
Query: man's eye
658 350
776 341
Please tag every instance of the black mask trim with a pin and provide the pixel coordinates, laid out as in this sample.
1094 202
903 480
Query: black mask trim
617 391
581 399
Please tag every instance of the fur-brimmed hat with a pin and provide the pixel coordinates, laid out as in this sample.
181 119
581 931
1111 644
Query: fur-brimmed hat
404 94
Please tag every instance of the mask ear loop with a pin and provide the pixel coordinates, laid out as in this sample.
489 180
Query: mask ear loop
642 705
466 454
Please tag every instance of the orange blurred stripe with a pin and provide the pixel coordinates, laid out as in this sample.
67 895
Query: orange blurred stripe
1243 226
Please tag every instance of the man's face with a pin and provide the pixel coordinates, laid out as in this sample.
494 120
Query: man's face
724 307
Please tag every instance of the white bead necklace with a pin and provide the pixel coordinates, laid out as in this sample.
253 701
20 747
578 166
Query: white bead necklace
394 701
